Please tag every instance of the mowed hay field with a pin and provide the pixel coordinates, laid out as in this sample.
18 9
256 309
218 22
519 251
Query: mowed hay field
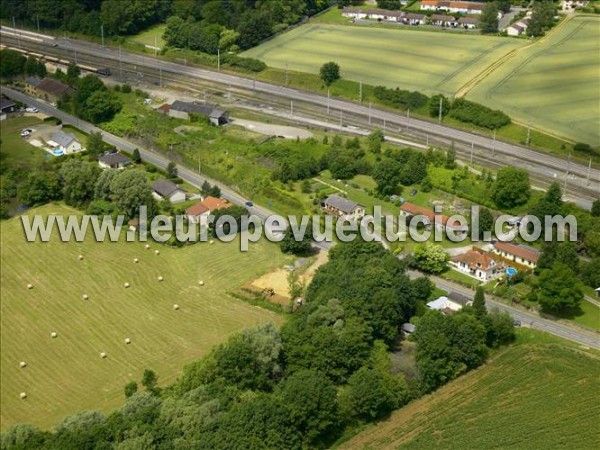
430 62
67 374
531 396
555 83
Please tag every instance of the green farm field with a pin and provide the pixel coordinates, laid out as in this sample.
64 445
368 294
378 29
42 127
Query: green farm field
554 83
414 60
66 374
540 393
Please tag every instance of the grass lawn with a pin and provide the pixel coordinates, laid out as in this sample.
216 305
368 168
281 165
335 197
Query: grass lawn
414 60
66 374
152 36
541 392
553 84
15 151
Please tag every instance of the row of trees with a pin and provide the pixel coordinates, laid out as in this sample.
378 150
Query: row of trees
92 100
13 64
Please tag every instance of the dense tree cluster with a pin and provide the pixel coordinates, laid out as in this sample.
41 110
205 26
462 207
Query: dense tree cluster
482 116
511 187
92 100
542 18
399 98
13 63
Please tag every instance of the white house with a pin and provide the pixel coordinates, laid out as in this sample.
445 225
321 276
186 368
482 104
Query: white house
477 264
414 19
468 22
520 254
453 6
165 189
340 206
66 142
452 303
443 20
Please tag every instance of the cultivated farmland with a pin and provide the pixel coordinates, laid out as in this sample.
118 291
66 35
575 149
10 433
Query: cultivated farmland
553 83
430 62
532 395
67 373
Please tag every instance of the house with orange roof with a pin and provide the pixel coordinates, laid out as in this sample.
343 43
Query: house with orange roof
518 253
199 212
428 217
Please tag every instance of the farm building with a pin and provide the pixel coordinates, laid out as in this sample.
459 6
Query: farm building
468 22
51 90
518 253
477 264
165 189
199 212
455 7
428 217
182 110
340 206
452 303
113 161
65 142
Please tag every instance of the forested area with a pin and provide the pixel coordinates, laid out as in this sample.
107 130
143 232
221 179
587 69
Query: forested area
326 370
205 25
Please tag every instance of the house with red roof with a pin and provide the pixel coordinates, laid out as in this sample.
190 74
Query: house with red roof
518 253
477 264
199 212
428 218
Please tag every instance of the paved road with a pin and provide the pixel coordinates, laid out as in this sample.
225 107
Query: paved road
538 163
572 333
586 338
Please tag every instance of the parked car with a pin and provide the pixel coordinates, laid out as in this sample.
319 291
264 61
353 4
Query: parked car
26 132
517 323
413 192
32 109
249 204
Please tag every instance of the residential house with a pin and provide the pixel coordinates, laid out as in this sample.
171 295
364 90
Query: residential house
31 84
113 161
518 253
182 110
7 106
477 264
452 6
414 19
443 20
454 302
408 328
52 90
340 206
518 27
165 189
354 13
428 217
468 22
199 212
65 142
373 14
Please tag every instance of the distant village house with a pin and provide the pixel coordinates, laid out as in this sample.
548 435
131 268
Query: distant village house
183 110
454 302
518 253
340 206
165 189
477 264
199 212
65 142
113 161
49 89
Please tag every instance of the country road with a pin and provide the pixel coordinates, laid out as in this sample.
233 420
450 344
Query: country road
571 333
584 181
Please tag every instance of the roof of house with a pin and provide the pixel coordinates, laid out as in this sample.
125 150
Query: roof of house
384 12
6 103
165 188
460 299
196 209
416 210
410 16
213 203
522 251
516 26
112 159
33 81
63 139
470 20
341 204
408 327
53 87
475 260
467 5
451 303
443 17
197 108
437 3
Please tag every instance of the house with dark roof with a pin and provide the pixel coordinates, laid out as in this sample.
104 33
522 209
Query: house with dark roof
341 206
66 142
517 253
30 85
468 22
414 19
477 264
7 106
52 90
443 20
113 161
165 189
182 110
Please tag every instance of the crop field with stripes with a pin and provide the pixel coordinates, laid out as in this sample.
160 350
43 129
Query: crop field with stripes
431 62
66 374
554 84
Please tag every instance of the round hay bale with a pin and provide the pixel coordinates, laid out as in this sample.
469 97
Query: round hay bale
125 285
80 257
85 296
22 364
175 306
30 286
160 278
127 341
147 246
103 355
23 395
201 283
54 335
211 242
135 260
156 252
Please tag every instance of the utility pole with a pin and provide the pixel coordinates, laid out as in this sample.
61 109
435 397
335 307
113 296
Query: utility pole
567 174
427 140
407 118
75 57
360 92
341 119
384 126
528 134
494 144
286 74
587 183
155 47
218 59
15 27
328 95
102 33
160 77
254 82
472 145
120 65
37 18
440 111
369 113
